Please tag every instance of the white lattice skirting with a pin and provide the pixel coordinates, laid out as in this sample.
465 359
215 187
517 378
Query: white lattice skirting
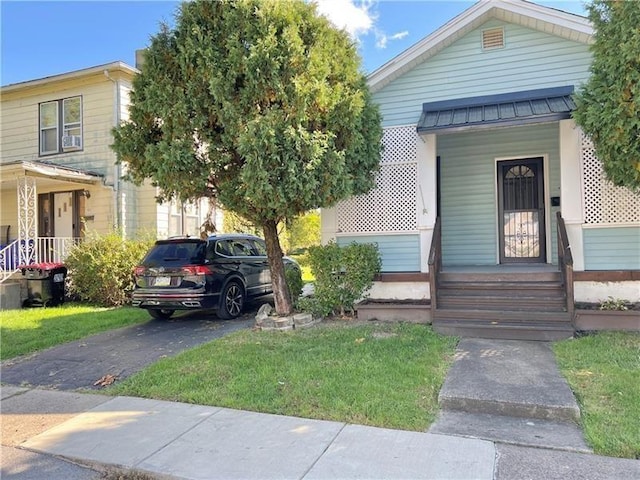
604 203
391 205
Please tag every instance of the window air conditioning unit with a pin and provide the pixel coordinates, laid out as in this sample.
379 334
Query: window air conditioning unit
70 142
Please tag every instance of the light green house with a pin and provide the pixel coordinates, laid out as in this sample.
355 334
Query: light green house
480 147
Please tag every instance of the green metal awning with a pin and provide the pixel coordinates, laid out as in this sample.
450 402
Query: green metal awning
507 109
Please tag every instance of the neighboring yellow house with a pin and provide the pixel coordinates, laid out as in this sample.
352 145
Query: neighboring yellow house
58 175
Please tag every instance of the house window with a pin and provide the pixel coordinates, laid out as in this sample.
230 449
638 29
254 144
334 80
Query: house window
61 126
184 219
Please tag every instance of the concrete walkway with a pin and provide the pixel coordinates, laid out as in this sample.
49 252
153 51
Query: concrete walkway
45 429
510 392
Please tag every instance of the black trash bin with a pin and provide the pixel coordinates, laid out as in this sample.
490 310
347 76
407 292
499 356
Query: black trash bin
45 284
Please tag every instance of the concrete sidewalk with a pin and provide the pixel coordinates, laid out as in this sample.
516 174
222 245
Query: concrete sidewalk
177 440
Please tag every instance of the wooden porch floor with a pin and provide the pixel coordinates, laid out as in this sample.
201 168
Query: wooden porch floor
514 268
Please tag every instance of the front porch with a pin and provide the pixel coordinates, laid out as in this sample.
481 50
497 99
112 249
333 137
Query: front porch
37 250
13 289
43 216
520 302
523 305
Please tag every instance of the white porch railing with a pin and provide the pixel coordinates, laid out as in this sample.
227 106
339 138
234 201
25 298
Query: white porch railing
8 260
42 250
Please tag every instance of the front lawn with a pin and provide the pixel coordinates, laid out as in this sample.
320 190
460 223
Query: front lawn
386 375
30 329
603 371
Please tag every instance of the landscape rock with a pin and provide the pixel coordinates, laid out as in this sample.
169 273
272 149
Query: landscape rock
267 322
263 314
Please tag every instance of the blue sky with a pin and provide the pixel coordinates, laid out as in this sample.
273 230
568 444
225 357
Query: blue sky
40 39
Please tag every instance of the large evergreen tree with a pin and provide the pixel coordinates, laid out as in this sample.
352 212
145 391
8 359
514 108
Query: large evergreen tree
608 105
259 103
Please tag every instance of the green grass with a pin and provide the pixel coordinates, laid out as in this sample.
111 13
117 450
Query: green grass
603 371
31 329
386 375
307 274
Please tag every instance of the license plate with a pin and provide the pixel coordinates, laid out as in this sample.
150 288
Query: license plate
163 281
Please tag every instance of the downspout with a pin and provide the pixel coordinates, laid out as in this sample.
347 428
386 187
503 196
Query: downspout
117 201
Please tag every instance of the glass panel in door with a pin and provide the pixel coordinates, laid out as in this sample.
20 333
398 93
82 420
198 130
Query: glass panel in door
521 194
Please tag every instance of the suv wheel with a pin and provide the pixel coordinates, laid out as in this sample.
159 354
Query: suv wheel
161 314
232 301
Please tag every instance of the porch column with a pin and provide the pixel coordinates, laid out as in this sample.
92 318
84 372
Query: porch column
327 225
571 195
27 219
426 195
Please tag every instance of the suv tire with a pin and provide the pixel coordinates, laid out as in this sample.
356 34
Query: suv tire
231 301
160 314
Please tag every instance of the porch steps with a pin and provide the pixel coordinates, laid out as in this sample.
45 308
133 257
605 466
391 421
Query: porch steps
505 305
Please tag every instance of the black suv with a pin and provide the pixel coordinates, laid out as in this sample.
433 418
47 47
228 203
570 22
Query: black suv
189 274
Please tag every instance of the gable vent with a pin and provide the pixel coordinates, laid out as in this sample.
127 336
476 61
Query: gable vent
493 38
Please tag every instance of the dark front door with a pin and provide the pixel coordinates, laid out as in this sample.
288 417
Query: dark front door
59 213
521 211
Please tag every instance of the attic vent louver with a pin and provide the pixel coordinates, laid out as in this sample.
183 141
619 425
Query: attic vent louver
493 38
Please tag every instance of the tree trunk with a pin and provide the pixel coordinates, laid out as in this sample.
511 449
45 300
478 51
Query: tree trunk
276 265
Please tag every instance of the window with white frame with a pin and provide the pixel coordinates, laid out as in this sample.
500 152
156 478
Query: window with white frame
60 126
184 219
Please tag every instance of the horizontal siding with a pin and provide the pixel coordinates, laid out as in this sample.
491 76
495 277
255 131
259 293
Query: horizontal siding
148 212
125 98
19 139
399 253
9 212
101 207
612 248
19 133
468 187
530 60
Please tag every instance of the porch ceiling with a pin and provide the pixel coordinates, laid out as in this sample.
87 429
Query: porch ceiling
47 174
507 109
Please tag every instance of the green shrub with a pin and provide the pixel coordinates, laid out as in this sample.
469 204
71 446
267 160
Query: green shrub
100 268
294 282
343 275
614 304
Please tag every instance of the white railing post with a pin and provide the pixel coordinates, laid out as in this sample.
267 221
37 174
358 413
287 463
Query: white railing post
27 219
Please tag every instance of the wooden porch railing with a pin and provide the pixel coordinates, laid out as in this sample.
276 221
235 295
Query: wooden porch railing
435 263
565 263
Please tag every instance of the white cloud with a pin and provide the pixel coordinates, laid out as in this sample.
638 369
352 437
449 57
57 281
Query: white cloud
354 16
382 38
399 35
357 18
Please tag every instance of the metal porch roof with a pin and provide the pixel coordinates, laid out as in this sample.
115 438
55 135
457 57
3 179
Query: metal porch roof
12 170
507 109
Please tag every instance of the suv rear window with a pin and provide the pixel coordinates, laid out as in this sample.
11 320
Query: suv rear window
175 253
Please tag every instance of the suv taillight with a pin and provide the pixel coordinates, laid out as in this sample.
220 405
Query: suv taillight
195 274
138 275
195 270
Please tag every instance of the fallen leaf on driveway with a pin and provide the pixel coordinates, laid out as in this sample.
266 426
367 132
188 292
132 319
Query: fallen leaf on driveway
105 380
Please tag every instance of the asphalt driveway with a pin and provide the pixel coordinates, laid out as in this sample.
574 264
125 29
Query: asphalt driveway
121 352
